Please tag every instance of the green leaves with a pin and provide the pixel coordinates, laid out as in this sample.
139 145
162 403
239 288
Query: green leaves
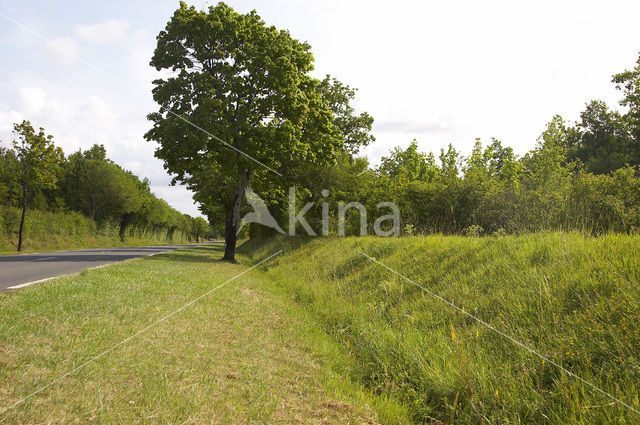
246 106
410 163
233 77
629 83
37 156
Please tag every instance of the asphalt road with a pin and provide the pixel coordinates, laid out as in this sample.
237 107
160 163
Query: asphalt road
18 271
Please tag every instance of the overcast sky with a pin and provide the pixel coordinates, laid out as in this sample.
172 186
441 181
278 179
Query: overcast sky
438 72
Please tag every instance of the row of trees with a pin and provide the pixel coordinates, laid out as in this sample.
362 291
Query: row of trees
240 107
583 176
35 174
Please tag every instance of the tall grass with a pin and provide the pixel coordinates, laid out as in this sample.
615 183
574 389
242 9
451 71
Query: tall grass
46 230
575 300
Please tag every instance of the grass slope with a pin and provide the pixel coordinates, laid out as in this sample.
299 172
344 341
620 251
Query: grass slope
242 354
64 243
53 231
574 299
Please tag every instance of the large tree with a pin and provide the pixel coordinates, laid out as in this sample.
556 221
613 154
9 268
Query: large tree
38 160
238 104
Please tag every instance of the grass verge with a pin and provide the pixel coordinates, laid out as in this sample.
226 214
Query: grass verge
239 355
53 231
321 334
575 300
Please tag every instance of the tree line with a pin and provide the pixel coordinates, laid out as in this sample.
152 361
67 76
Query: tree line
35 174
580 176
238 107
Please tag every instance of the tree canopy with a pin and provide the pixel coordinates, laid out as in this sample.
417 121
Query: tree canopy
37 160
239 104
34 174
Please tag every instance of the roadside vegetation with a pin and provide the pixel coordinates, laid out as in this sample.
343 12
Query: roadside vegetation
278 127
242 354
543 247
48 230
321 334
83 200
573 299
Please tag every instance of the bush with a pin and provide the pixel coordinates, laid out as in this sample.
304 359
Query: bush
473 230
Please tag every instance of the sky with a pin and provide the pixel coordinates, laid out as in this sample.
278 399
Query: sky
438 72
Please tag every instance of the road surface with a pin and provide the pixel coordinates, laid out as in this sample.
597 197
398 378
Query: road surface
18 271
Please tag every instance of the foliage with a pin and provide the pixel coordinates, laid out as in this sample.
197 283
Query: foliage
240 105
86 184
37 158
410 163
578 177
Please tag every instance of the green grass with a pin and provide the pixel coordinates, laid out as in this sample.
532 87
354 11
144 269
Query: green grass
52 231
321 334
575 300
242 354
64 243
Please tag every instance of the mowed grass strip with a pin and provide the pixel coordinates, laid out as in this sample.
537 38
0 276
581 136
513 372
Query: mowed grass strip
238 355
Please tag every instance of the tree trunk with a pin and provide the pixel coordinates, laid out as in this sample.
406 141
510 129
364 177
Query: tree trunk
232 221
24 211
124 222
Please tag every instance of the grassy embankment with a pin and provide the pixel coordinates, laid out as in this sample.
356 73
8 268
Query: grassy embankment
323 332
49 231
575 300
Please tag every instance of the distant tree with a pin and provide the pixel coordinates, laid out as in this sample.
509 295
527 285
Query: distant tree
409 162
559 134
10 190
86 185
502 163
96 152
605 143
200 229
449 161
102 190
546 166
629 83
247 84
476 164
38 160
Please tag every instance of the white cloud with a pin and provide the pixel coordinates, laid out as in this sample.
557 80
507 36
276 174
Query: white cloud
7 119
409 127
31 100
108 32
